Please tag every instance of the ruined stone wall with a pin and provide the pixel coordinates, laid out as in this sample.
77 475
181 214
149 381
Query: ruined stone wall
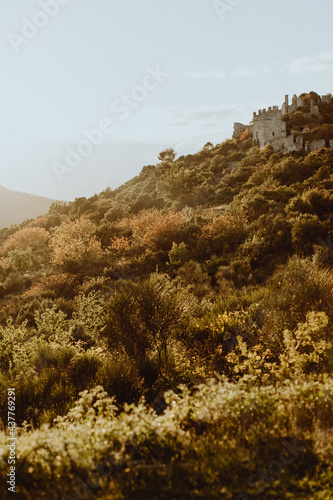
287 144
317 144
239 128
326 98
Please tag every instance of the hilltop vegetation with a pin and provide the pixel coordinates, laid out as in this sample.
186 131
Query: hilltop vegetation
313 121
198 295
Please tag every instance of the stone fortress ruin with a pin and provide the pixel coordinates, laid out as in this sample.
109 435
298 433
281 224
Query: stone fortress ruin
270 126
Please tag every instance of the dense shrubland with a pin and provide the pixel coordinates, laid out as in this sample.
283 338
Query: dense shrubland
198 295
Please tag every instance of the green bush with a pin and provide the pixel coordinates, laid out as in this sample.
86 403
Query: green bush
295 290
192 450
178 254
21 259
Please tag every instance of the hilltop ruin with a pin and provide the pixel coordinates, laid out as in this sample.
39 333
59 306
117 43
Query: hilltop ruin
289 128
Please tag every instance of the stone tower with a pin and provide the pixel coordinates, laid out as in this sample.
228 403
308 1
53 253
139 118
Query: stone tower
268 126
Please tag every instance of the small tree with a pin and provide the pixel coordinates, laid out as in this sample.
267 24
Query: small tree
144 316
167 156
208 146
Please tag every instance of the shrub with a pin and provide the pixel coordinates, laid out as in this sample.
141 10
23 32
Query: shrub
307 348
143 316
225 231
192 274
120 378
83 370
73 244
54 285
305 232
21 259
88 317
33 237
178 254
306 351
191 450
294 290
155 230
52 324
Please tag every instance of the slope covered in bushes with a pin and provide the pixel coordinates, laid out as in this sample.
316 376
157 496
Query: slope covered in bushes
209 276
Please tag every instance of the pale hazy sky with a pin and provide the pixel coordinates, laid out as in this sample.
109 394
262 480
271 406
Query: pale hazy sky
69 74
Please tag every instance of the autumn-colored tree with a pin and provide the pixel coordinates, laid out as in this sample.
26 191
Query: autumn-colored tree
28 237
120 244
223 223
246 134
73 243
155 229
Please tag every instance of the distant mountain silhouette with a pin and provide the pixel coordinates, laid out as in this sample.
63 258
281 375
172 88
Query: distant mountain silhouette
16 207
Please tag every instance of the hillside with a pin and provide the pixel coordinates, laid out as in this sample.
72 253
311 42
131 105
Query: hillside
173 338
16 207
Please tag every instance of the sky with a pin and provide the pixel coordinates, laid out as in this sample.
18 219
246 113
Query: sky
92 90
